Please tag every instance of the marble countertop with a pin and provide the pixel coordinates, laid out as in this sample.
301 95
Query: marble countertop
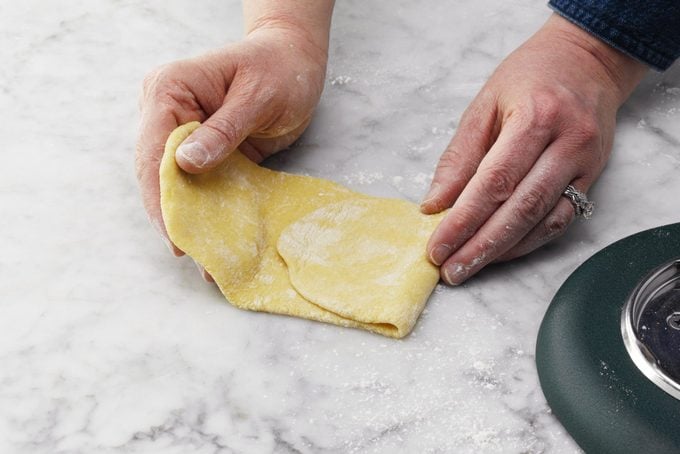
110 345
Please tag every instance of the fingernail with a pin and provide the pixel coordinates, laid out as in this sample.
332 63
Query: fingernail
454 273
202 271
432 194
194 153
440 253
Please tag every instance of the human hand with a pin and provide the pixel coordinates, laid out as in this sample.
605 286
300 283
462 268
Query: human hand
545 119
257 95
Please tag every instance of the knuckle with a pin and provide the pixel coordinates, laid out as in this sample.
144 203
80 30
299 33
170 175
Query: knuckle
148 152
455 165
453 170
448 159
549 109
466 219
145 165
149 80
531 206
226 128
150 85
166 86
543 110
462 225
555 225
499 183
588 131
486 250
156 79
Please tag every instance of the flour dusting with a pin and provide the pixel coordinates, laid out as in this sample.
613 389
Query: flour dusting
362 177
314 238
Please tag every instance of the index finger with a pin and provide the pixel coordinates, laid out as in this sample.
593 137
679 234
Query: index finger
156 125
510 158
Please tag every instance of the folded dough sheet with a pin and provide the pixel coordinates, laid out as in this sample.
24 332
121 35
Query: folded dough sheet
298 245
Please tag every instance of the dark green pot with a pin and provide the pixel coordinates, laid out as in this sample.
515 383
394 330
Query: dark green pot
587 375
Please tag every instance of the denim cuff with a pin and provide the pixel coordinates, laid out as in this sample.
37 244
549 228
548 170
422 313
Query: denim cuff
635 45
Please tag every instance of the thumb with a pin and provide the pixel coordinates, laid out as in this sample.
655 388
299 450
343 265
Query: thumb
210 144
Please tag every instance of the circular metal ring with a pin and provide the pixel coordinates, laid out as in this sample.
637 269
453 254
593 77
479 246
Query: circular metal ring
582 206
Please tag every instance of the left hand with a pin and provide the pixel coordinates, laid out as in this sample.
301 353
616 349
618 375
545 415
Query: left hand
544 120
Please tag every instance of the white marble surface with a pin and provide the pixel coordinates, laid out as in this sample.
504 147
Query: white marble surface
110 345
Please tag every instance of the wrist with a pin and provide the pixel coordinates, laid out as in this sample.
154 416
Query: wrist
301 22
293 35
619 71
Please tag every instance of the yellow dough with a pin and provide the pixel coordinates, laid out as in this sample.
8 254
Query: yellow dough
298 245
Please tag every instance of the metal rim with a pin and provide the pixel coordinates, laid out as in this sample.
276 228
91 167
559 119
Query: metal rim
656 283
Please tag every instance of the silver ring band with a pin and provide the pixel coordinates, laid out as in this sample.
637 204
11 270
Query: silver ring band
582 206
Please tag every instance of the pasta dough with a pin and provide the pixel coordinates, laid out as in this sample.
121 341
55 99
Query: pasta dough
298 245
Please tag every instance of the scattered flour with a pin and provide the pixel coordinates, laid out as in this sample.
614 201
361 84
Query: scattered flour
362 177
340 80
422 179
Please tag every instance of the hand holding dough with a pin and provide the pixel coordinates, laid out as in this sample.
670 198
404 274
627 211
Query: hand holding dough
298 245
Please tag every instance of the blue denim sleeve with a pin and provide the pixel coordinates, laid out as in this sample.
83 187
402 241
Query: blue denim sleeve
648 30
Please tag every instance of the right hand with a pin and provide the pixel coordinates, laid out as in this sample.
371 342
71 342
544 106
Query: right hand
544 120
257 95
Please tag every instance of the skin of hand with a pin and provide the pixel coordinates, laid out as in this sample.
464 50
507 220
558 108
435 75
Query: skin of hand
258 95
545 119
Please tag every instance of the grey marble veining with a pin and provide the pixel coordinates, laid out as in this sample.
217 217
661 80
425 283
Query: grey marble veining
110 345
